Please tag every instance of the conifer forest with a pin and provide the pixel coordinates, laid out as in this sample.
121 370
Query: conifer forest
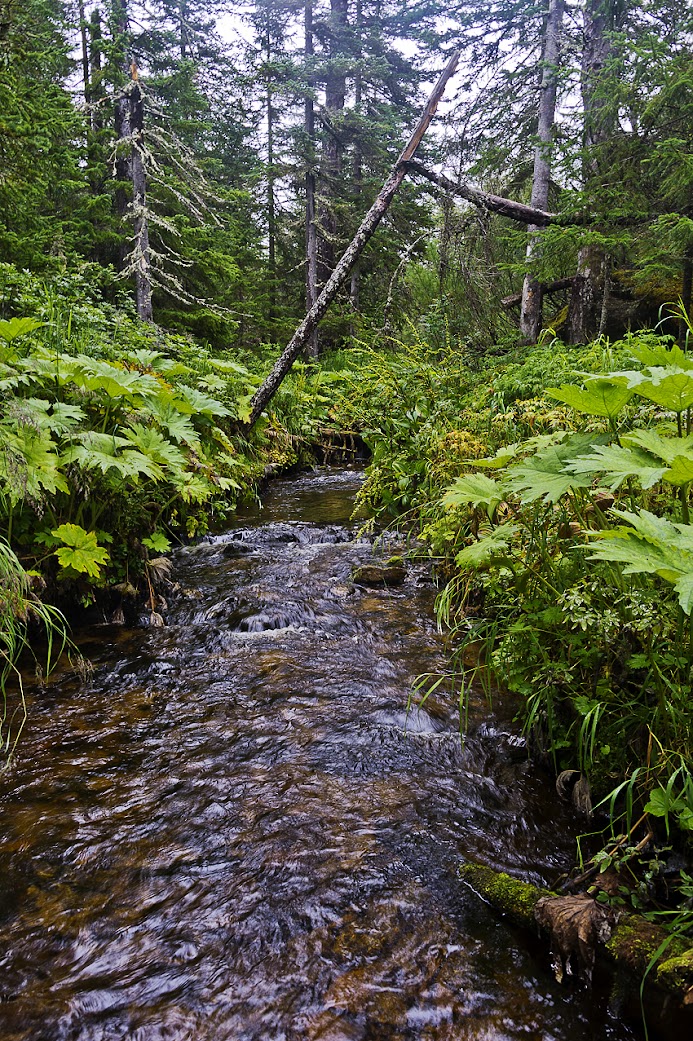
346 525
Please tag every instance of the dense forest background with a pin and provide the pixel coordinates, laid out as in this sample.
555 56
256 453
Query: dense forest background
217 178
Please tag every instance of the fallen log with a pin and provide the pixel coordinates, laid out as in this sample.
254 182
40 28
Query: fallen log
270 386
643 950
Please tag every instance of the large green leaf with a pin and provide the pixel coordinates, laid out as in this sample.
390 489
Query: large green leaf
57 416
602 396
16 327
154 445
666 448
474 490
196 402
673 390
614 464
657 353
680 472
175 423
544 475
80 551
29 464
106 452
647 544
491 547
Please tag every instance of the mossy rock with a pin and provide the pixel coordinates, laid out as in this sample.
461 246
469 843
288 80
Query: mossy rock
395 561
676 974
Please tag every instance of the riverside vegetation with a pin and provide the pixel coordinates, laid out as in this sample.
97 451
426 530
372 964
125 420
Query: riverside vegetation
116 440
548 484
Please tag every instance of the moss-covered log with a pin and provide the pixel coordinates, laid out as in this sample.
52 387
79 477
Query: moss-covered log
515 899
632 946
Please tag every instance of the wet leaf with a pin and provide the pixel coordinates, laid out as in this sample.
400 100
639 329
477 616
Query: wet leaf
577 924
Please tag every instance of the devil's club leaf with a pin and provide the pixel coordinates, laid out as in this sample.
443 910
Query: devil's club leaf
614 463
599 397
474 490
80 550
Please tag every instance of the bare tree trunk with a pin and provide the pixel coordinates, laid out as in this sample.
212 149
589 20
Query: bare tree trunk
142 254
121 29
517 211
583 309
269 387
335 96
606 296
312 350
355 288
183 28
686 296
84 44
271 204
531 308
95 52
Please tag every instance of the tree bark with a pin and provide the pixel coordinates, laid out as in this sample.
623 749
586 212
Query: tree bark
96 86
636 946
121 30
357 174
531 308
583 312
312 349
142 254
686 297
84 44
271 205
269 387
546 287
335 96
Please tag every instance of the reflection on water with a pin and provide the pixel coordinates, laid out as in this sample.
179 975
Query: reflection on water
236 832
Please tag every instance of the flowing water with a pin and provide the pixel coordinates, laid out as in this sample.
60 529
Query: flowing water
235 831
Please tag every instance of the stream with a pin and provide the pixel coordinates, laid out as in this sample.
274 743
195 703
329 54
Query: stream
234 830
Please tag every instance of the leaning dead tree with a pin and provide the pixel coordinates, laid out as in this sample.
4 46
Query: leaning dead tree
269 388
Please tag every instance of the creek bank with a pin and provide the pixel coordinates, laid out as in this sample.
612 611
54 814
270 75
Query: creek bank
584 933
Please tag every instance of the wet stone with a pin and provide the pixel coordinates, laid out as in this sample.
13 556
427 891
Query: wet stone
376 575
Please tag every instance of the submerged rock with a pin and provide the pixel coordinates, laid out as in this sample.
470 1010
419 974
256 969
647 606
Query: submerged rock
392 573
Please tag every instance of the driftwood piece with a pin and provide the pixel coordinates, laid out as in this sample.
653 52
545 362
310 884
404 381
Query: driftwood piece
631 945
269 387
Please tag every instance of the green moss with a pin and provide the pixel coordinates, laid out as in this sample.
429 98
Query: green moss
676 972
509 895
634 944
